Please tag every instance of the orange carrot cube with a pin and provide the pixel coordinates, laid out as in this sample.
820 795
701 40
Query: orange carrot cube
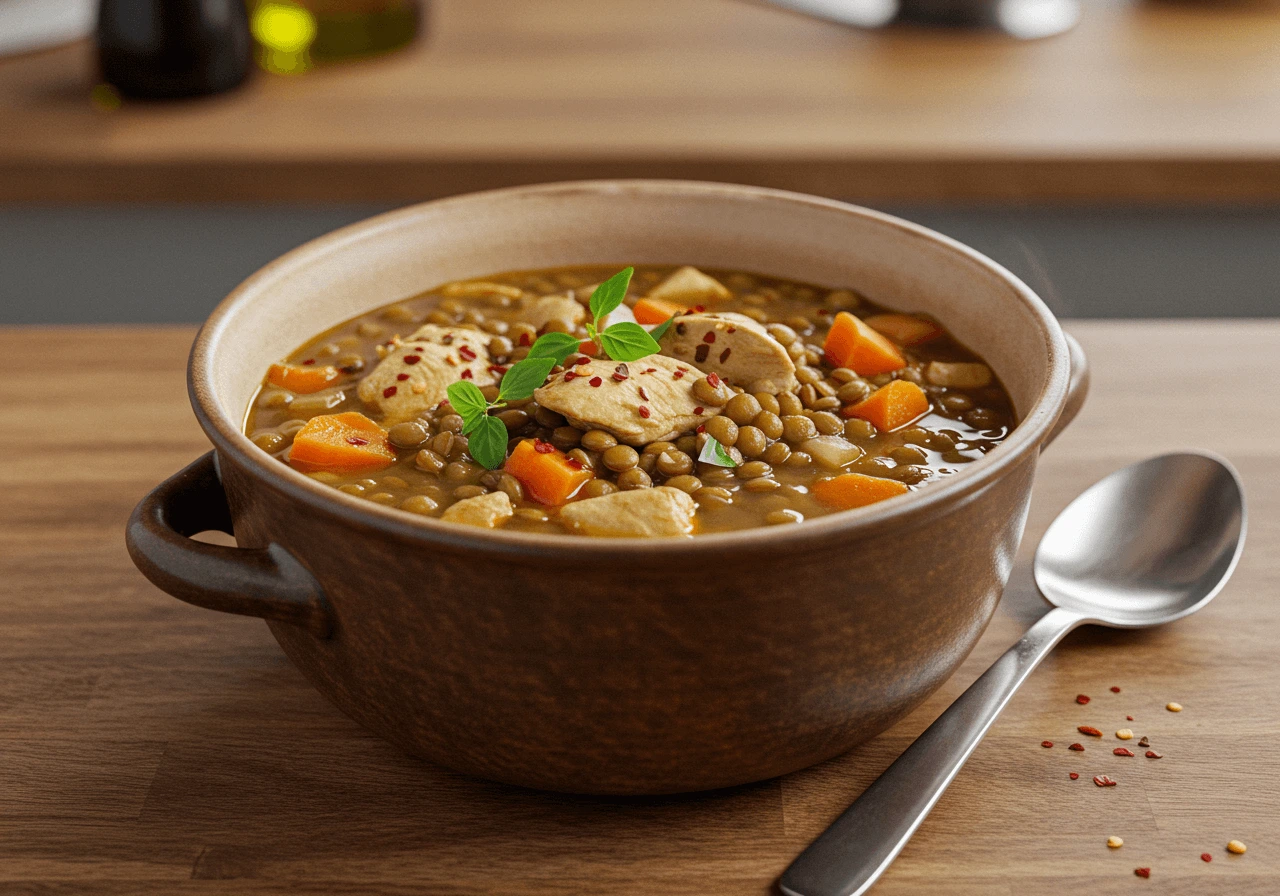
893 405
851 343
547 474
850 490
341 443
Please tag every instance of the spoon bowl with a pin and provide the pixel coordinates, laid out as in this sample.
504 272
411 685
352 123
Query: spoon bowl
1146 545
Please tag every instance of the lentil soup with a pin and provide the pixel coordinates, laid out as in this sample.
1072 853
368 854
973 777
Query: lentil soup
768 402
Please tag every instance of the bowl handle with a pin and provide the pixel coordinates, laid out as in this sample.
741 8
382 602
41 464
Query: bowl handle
266 582
1077 389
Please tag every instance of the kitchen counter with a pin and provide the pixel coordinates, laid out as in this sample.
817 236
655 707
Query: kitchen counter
1158 102
150 746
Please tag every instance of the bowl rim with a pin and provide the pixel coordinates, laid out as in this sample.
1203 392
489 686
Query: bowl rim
228 439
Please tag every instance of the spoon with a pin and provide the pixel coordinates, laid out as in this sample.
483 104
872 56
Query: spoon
1148 544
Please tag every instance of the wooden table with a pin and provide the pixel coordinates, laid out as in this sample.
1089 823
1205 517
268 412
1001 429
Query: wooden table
148 746
1148 101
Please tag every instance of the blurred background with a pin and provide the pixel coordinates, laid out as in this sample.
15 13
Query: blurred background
1122 157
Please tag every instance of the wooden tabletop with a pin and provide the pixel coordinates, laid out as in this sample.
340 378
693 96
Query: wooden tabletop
1151 101
150 746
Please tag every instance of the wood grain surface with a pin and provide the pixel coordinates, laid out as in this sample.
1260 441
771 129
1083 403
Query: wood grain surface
1150 101
149 746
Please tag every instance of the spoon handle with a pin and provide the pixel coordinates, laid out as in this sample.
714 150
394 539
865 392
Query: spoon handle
856 849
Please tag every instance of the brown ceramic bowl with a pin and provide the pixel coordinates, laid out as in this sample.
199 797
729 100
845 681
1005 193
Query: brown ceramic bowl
610 666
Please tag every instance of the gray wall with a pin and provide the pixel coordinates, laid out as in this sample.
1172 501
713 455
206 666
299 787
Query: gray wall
127 264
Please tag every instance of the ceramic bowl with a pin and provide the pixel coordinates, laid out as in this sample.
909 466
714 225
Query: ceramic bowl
620 666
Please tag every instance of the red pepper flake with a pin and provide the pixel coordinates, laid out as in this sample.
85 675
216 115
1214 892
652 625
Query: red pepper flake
1089 730
1104 781
573 464
643 394
524 339
1145 742
580 360
467 353
698 410
724 355
1152 754
823 312
644 411
1142 872
389 391
543 447
308 362
1115 690
710 337
596 381
1074 776
651 370
497 369
1123 751
447 339
701 352
1079 748
569 375
412 359
1046 744
621 372
357 441
702 427
1082 699
402 376
679 374
1206 857
1128 718
619 377
466 374
732 330
699 308
712 380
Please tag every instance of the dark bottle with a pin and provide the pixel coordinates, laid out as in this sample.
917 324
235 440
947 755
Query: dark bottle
165 49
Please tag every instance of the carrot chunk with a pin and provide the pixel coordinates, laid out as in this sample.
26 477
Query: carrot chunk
548 476
904 329
850 490
300 379
894 404
340 443
852 344
655 311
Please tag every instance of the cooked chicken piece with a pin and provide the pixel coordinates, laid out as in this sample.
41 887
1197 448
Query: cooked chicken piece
688 286
640 513
733 346
640 402
486 511
429 361
539 311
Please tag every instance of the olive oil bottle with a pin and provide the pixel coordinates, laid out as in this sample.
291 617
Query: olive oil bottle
295 35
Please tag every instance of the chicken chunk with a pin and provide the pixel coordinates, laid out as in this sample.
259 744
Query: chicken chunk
416 374
486 511
733 346
547 308
688 286
640 402
640 513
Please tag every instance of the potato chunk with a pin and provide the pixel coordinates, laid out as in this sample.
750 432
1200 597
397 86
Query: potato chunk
640 402
831 452
688 286
733 346
486 511
640 513
958 374
417 373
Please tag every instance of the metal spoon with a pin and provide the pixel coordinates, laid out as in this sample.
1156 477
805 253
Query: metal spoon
1146 545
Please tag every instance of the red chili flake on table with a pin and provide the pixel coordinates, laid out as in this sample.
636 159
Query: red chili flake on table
644 394
1082 699
1128 718
644 411
1079 748
1115 690
1073 776
596 381
543 447
713 380
1152 754
357 441
1205 857
1089 730
308 362
698 410
389 391
402 376
466 374
679 374
412 359
709 338
467 353
1142 872
1104 781
1145 742
1123 751
1046 744
524 339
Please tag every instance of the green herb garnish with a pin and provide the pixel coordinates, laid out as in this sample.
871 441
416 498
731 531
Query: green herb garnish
625 341
661 329
714 453
487 435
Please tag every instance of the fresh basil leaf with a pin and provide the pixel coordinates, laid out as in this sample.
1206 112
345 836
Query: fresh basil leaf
609 294
554 345
468 401
661 329
714 453
488 443
627 342
523 377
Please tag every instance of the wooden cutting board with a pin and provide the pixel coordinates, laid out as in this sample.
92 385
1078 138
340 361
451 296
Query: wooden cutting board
149 746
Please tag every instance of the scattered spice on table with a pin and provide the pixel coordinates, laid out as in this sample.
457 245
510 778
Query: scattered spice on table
1152 754
1046 744
1123 751
1074 776
1079 748
1082 699
1236 847
1206 857
1145 742
1105 781
1128 718
1173 707
1089 730
1124 734
1115 842
1115 690
1142 872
